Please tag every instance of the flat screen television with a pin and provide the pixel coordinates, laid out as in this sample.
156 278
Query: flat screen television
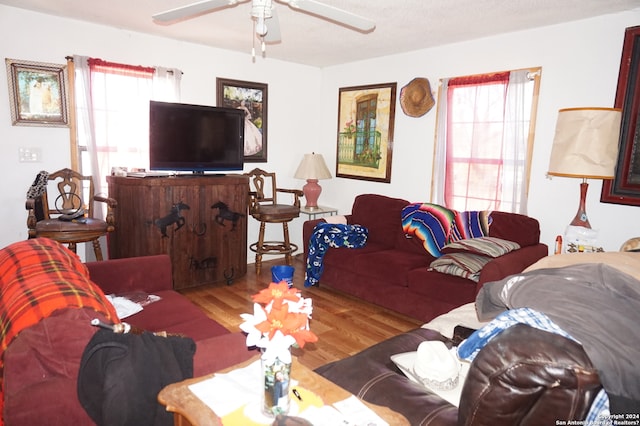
195 138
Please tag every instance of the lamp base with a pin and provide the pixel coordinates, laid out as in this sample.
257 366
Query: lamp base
581 218
311 192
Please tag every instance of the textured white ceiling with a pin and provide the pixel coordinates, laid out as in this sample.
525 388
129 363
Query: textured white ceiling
401 25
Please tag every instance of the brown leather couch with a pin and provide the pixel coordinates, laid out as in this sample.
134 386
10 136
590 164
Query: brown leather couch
507 384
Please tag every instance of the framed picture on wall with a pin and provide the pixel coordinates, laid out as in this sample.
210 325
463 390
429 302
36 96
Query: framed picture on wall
252 99
366 116
37 93
624 188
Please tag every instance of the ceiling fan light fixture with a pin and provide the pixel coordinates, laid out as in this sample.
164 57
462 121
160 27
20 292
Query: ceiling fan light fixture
261 27
261 10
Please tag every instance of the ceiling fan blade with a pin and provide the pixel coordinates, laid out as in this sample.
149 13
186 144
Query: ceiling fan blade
332 13
273 28
192 10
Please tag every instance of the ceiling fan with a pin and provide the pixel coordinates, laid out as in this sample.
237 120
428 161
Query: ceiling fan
263 10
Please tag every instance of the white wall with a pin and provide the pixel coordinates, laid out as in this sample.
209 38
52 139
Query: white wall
293 93
579 63
580 68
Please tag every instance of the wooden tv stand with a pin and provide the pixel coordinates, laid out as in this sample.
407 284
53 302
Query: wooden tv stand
176 215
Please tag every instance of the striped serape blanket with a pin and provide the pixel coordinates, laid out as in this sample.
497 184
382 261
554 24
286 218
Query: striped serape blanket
436 226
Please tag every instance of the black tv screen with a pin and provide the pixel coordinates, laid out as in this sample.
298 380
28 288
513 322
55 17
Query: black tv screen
195 138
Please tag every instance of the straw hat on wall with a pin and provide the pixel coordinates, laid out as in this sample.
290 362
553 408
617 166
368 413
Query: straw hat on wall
416 98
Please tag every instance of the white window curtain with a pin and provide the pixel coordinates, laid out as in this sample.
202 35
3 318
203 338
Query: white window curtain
513 181
440 168
516 132
166 84
84 127
112 110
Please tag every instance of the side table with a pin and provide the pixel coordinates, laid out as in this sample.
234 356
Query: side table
315 212
188 409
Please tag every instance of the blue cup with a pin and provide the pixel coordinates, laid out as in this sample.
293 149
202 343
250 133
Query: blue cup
282 273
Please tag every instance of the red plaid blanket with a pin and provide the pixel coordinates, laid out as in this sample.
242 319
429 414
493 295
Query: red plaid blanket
37 277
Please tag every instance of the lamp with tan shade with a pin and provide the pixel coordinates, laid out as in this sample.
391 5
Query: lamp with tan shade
585 146
312 168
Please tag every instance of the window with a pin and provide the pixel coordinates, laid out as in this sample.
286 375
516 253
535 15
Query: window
112 104
484 140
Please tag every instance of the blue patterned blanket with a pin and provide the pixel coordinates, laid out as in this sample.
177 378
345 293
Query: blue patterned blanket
326 235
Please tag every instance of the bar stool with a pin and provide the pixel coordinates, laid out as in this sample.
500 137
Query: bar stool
264 207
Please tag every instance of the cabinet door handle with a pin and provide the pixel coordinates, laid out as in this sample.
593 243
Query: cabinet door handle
199 229
229 276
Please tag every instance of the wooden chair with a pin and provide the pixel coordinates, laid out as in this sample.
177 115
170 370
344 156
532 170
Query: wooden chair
57 210
264 207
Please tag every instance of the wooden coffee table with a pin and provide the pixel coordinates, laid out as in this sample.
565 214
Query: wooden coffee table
188 409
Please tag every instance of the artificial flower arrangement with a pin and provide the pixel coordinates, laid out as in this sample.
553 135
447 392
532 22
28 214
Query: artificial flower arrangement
280 319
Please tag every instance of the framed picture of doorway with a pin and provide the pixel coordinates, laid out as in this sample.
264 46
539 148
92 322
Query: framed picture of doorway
366 116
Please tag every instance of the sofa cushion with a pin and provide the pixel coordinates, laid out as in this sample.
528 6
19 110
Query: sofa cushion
176 314
487 246
521 229
465 265
118 276
390 266
380 215
434 285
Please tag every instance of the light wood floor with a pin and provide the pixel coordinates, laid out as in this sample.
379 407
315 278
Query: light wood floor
344 325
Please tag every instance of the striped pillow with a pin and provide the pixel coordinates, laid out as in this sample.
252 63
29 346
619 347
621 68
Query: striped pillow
465 265
487 246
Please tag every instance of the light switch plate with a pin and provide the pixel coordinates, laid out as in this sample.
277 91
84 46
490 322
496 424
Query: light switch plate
29 155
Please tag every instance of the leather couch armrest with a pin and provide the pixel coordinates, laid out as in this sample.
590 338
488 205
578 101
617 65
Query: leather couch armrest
372 376
144 273
528 377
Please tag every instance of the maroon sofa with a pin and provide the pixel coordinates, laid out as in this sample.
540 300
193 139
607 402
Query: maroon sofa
392 270
41 364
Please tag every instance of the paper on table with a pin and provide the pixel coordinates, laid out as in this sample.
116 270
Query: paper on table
226 392
348 412
324 416
358 413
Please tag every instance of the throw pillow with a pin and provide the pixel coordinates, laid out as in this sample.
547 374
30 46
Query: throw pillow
488 246
465 265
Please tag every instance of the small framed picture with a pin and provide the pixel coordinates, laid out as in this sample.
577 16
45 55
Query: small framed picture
37 93
252 99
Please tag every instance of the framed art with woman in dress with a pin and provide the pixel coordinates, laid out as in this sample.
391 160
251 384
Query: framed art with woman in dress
252 99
